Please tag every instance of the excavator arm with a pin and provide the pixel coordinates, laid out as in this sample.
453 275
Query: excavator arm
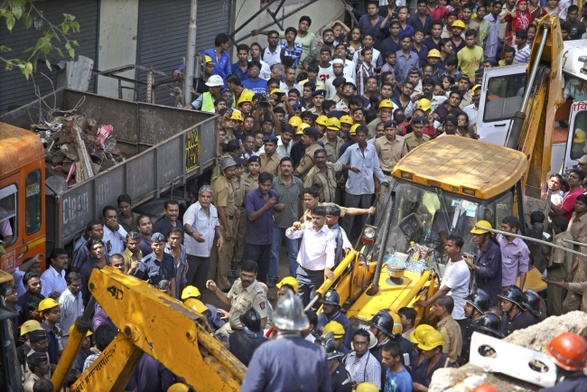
152 322
532 130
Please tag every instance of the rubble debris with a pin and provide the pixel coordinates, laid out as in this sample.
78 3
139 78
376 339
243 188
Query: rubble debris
534 337
77 147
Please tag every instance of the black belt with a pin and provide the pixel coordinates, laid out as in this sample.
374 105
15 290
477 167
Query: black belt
386 173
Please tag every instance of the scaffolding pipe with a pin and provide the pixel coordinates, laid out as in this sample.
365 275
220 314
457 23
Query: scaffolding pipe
191 55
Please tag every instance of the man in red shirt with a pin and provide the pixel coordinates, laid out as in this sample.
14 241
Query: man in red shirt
575 179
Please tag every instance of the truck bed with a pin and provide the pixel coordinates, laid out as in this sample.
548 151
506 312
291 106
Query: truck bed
164 146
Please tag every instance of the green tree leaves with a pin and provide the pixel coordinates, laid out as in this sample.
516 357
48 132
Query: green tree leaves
55 38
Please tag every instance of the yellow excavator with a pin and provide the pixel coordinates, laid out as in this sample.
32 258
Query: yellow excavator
149 322
446 185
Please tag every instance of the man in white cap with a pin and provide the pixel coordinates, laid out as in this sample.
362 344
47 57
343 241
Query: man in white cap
582 163
205 102
288 363
338 70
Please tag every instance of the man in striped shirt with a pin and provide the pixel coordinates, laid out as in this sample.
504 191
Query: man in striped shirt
522 48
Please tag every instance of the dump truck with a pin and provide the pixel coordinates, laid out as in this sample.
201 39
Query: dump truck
164 148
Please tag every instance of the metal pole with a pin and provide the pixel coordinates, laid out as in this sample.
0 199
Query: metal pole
191 55
516 127
505 233
574 242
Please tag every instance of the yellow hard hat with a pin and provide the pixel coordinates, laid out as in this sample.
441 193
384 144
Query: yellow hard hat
295 121
580 136
336 328
367 387
190 292
322 120
458 23
178 387
290 281
386 104
474 88
276 91
333 124
246 96
434 53
236 116
417 335
424 104
47 303
397 327
431 340
208 59
195 304
353 130
30 326
301 127
346 119
481 223
70 331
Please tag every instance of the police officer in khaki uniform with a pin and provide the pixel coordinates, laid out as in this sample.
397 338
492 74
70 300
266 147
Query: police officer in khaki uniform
224 201
245 293
309 139
417 136
390 148
249 181
332 142
270 158
241 222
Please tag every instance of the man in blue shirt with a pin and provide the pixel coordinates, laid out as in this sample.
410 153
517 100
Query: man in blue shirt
261 204
220 56
158 265
397 378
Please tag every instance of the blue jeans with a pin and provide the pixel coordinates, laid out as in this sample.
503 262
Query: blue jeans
292 253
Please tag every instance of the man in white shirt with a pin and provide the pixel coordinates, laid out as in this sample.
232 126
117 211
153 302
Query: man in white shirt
114 234
316 253
360 363
53 279
455 281
472 110
200 223
70 304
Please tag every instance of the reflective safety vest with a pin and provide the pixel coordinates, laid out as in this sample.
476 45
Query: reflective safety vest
207 103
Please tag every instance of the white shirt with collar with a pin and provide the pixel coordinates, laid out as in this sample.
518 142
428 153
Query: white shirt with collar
52 281
281 149
203 224
317 248
72 307
272 58
116 239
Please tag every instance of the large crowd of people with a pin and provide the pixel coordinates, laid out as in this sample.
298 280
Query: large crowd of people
309 131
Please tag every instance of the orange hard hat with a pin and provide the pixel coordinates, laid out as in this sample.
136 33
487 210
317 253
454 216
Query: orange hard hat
568 350
485 388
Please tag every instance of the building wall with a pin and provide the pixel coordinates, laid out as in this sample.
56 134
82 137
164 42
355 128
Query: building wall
321 12
117 45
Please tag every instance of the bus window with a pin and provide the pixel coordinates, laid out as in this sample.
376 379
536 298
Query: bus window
33 202
8 232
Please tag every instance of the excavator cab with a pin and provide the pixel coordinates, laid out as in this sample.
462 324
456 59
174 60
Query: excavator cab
419 215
